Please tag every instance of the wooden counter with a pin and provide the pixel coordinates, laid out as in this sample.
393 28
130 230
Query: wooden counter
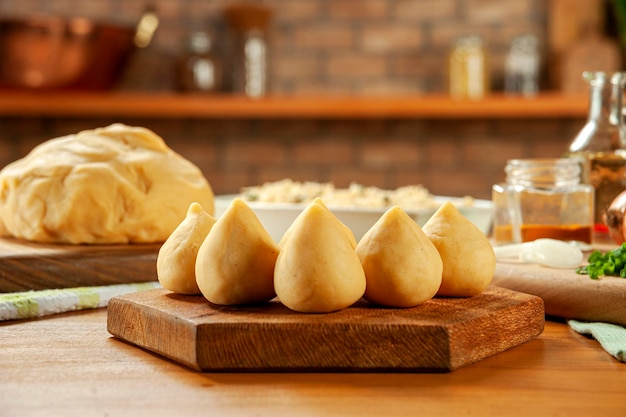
173 105
68 365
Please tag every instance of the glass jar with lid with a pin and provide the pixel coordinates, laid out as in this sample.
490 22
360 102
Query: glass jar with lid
543 198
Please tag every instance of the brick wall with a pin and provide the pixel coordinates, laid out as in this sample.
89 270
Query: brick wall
356 46
450 158
329 46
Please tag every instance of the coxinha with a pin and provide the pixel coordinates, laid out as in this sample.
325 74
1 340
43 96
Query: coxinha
318 266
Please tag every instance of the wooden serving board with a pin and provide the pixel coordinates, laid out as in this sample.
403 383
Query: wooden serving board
567 294
439 335
28 266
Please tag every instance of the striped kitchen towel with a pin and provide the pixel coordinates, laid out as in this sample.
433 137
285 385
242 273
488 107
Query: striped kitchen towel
29 304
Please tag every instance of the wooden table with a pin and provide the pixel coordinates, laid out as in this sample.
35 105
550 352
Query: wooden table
68 365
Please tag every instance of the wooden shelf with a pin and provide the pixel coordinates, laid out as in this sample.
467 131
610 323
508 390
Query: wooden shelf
175 105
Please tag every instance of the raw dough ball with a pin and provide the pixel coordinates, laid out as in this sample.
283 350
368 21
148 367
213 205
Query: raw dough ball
319 201
235 263
402 266
469 262
117 184
176 262
317 270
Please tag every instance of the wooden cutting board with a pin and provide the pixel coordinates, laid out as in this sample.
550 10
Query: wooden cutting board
439 335
567 294
28 266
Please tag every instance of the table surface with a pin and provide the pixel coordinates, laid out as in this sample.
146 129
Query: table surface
70 365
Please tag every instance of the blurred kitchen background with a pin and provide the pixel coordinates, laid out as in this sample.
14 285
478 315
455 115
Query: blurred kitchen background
360 49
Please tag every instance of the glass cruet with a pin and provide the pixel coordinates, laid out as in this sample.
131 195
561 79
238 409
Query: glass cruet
601 143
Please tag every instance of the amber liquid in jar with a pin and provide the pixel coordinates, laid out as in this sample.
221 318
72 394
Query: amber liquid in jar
530 232
543 198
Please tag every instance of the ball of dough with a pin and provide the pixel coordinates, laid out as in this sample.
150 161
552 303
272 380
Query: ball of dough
117 184
176 261
402 266
469 262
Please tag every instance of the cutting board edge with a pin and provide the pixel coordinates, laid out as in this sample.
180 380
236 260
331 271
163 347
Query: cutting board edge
121 306
27 266
138 311
344 353
194 360
533 308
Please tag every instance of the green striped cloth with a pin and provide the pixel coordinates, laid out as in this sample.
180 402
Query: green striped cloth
29 304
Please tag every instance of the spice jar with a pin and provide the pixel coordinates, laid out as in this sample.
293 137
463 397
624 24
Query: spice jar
468 75
542 198
199 70
600 146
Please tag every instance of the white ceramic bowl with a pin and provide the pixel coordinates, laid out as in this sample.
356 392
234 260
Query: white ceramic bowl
277 217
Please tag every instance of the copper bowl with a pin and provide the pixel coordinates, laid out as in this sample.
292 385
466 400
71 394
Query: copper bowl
46 52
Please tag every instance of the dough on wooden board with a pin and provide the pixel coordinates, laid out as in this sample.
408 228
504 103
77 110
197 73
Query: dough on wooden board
176 261
117 184
469 262
235 263
317 269
402 266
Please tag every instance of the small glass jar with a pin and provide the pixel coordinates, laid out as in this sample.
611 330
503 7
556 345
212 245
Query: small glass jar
467 71
543 198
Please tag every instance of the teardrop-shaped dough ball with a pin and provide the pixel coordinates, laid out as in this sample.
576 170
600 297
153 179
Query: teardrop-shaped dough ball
402 266
176 260
235 263
469 261
348 231
317 270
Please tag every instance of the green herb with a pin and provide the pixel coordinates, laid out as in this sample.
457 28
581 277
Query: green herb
612 263
251 196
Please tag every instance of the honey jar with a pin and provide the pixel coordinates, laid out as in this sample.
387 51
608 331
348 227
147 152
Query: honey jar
543 198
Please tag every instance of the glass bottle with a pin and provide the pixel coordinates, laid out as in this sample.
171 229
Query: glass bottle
542 198
251 50
468 75
199 69
253 77
600 146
